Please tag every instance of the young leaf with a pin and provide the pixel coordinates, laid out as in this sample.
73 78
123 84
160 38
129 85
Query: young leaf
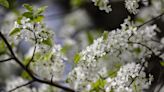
4 3
48 56
39 18
90 37
28 15
105 35
48 42
77 58
162 63
2 46
41 10
14 31
28 7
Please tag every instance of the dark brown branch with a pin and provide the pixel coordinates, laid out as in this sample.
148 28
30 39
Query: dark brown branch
5 60
153 19
23 85
30 72
143 46
33 51
133 79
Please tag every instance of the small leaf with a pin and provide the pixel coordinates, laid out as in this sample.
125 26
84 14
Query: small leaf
2 46
41 10
25 75
105 35
48 56
28 15
15 31
137 50
77 58
162 63
39 18
19 20
4 3
48 42
77 3
28 7
90 37
100 83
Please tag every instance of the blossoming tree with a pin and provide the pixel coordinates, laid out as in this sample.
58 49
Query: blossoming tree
126 59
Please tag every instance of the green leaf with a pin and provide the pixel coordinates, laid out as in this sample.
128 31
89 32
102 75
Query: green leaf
162 63
14 31
28 15
2 47
66 48
137 50
105 35
90 37
77 3
48 42
25 75
41 10
4 3
28 7
48 56
77 58
112 73
100 83
39 18
19 20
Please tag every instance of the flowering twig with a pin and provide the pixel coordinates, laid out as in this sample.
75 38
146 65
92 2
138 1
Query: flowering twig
33 51
30 72
21 86
143 46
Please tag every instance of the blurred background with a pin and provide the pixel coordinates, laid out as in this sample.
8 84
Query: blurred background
75 23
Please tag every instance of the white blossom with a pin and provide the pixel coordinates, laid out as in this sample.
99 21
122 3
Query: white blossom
103 5
129 75
87 70
132 5
52 66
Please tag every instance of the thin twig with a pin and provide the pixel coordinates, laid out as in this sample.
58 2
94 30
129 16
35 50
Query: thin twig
23 85
143 46
153 19
5 60
33 51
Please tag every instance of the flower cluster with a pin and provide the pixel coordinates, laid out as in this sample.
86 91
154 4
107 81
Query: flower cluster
103 5
129 76
49 64
116 43
132 5
30 30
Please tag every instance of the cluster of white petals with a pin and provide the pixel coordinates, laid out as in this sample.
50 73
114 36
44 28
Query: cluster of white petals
52 65
30 30
128 77
103 5
127 39
132 5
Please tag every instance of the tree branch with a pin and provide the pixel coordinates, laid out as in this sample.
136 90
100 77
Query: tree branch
23 85
30 72
5 60
151 20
